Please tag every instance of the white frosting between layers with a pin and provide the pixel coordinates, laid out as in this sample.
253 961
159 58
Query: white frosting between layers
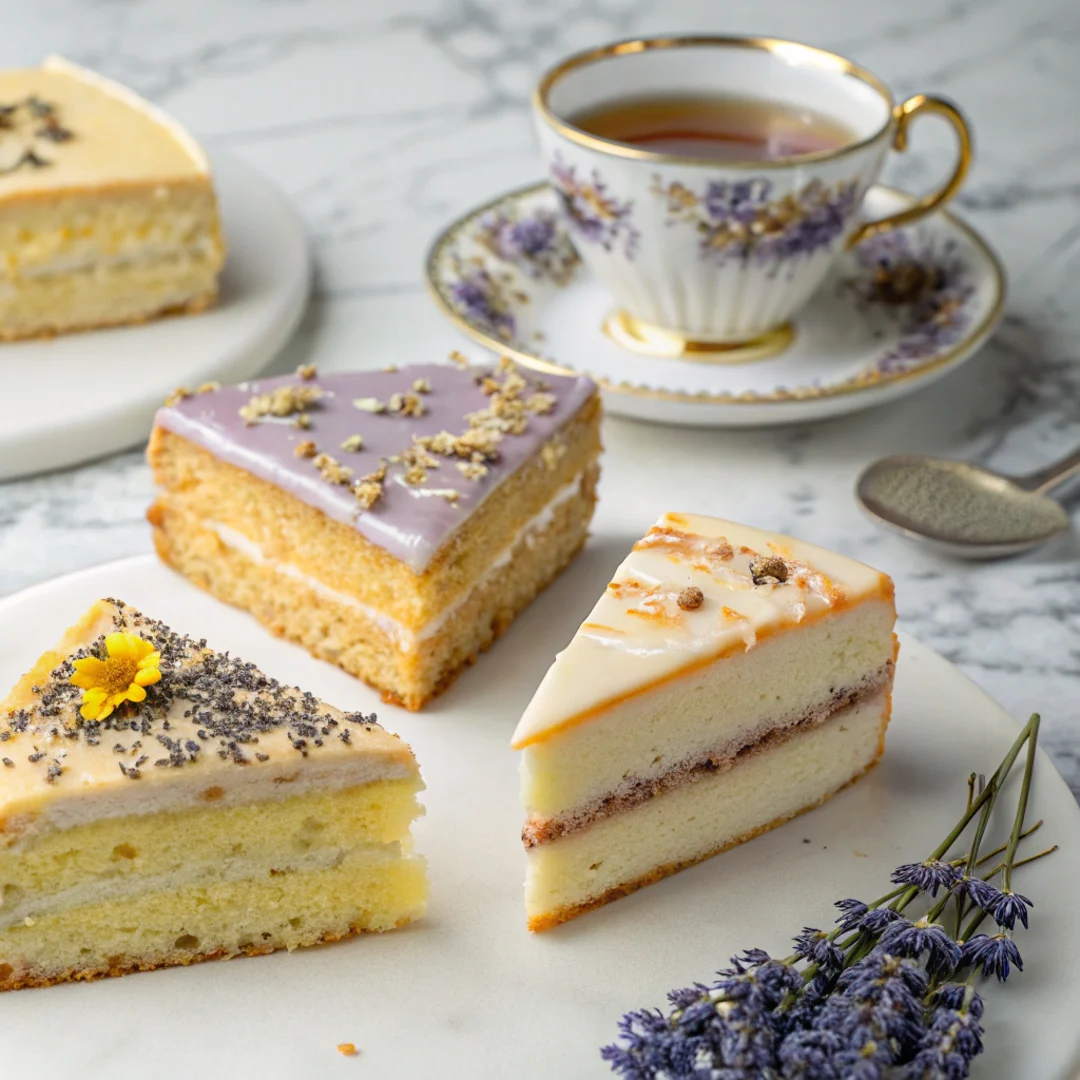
138 255
408 640
287 774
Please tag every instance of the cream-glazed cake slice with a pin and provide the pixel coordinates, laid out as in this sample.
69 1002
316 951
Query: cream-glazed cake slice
727 680
107 208
162 803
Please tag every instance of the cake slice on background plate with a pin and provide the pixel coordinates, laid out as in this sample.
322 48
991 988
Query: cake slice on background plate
392 522
107 208
162 803
727 680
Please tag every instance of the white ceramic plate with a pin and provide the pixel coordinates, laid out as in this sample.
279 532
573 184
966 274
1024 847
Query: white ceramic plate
79 396
468 992
852 347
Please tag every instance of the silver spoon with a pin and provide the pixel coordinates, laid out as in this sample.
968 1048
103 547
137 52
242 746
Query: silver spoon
967 510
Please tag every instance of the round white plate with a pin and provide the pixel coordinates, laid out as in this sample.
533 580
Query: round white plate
79 396
852 347
467 992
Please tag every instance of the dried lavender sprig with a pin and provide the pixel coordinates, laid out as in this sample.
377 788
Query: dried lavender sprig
960 895
734 1029
1012 905
810 972
992 789
990 792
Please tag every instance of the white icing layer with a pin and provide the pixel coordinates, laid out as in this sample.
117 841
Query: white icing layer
639 634
406 638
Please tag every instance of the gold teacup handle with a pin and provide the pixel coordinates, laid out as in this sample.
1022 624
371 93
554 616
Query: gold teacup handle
904 114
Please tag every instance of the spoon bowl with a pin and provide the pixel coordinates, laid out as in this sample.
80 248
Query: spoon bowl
961 509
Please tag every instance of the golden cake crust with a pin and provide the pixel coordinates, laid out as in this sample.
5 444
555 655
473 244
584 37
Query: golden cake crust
195 306
126 965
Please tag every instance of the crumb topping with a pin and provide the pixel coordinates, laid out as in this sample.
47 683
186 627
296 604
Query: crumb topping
182 393
768 570
331 470
691 598
353 444
370 404
229 704
368 489
474 468
282 401
307 372
406 404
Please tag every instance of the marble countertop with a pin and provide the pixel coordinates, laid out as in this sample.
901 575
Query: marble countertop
382 122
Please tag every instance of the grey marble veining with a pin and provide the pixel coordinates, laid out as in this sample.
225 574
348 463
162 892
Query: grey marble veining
384 121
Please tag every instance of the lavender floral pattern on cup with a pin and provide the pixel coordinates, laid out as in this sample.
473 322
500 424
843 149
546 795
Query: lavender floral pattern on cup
534 242
594 213
924 288
742 220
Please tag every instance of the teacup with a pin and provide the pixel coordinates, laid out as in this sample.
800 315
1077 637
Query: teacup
710 259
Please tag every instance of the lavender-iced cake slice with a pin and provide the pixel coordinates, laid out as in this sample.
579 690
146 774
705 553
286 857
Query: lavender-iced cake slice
393 522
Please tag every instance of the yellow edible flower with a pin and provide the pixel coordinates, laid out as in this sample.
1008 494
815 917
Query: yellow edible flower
130 666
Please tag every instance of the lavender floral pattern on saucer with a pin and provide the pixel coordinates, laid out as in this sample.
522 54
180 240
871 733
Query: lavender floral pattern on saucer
897 312
485 299
595 214
921 288
533 242
745 221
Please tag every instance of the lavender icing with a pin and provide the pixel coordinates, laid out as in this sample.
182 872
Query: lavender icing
411 523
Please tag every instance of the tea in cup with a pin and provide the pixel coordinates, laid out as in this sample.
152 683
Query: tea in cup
709 183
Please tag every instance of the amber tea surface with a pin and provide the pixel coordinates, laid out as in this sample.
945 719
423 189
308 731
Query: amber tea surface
719 127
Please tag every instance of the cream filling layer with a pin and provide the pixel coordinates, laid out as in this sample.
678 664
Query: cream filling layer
25 909
406 638
694 821
136 255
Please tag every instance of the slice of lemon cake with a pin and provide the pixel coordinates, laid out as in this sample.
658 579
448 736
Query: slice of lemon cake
107 209
392 522
162 803
727 680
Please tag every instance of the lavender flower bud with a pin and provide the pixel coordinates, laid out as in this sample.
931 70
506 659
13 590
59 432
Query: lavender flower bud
994 955
981 893
915 939
1009 907
851 913
875 922
928 876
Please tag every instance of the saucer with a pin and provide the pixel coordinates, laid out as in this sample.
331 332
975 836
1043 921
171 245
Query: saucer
896 313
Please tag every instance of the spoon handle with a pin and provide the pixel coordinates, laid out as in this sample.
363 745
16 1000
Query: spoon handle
1053 476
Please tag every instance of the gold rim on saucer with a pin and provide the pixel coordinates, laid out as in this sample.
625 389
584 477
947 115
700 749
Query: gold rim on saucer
874 378
790 50
643 337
